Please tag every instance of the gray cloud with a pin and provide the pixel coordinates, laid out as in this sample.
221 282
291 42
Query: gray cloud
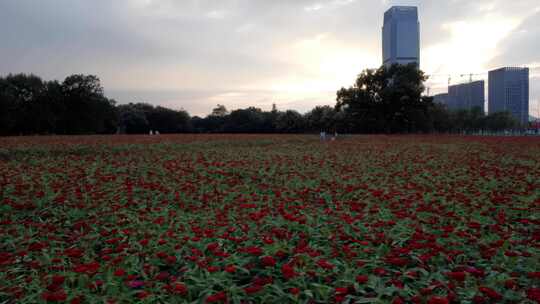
200 102
184 53
520 48
522 45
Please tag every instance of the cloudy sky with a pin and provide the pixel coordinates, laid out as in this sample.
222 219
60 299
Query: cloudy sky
296 53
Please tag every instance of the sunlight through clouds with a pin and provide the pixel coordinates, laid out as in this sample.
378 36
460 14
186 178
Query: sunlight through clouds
329 63
469 48
293 50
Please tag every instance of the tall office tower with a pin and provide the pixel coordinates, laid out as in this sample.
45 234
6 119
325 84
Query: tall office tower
467 95
401 36
509 91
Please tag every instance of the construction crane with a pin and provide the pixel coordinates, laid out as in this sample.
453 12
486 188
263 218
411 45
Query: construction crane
450 77
471 75
438 75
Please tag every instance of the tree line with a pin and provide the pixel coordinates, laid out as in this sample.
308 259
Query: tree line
385 100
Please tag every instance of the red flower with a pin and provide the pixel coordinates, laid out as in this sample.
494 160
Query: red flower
534 294
377 193
458 275
534 275
438 300
268 261
380 271
230 269
399 262
162 276
57 296
294 290
341 293
212 268
479 300
142 294
492 294
288 271
179 288
58 280
7 258
281 254
475 272
90 268
73 253
170 259
95 285
510 284
212 246
119 272
268 240
37 246
263 281
135 284
398 300
217 297
325 265
253 289
253 250
362 279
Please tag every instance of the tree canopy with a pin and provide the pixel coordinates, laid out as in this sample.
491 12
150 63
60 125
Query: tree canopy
385 100
78 105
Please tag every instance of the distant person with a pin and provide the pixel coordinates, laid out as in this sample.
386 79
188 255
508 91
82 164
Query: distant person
323 136
157 132
151 132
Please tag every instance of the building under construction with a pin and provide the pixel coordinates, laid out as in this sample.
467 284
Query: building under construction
466 96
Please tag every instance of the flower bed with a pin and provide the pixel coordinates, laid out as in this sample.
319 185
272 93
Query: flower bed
269 219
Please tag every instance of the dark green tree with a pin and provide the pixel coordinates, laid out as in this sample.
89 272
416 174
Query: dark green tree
220 111
167 120
386 100
8 108
290 122
20 95
250 120
321 118
132 120
142 117
500 121
87 110
439 118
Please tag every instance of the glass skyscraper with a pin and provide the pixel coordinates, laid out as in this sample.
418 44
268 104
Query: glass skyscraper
466 95
509 91
401 36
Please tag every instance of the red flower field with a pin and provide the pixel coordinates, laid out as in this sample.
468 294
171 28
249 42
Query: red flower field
269 219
